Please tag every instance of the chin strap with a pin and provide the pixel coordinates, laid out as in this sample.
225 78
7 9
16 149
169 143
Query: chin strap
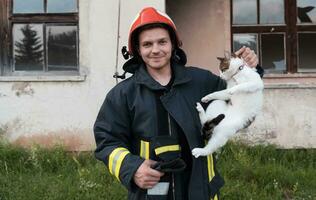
126 56
116 75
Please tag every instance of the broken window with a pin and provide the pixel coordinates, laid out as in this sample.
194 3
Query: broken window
282 32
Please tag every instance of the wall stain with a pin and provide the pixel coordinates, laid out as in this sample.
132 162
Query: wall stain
9 129
3 131
22 88
2 95
79 140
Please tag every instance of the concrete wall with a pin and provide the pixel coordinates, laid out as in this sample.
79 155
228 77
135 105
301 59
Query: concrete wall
204 28
50 110
288 119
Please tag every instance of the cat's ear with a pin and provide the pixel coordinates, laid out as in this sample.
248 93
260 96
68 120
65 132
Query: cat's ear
227 55
220 59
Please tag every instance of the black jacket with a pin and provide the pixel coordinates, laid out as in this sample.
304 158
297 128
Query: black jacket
127 122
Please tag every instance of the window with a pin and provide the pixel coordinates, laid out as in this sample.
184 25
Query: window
39 37
282 32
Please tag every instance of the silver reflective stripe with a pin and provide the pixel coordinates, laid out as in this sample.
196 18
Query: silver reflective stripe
160 189
116 158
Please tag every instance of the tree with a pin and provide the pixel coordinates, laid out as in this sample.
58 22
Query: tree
29 53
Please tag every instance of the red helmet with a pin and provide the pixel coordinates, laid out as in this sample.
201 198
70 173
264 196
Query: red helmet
150 15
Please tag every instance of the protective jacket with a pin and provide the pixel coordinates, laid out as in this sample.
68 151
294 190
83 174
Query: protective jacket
127 123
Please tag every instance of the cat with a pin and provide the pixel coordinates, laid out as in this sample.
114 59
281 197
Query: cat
232 109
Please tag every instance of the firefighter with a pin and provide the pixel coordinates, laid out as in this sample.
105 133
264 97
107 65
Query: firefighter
148 124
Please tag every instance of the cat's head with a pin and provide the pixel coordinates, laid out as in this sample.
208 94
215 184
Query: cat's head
229 65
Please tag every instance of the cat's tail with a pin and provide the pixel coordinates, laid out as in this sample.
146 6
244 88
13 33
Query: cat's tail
208 126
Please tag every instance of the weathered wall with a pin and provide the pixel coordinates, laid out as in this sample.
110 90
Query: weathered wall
42 110
204 28
288 119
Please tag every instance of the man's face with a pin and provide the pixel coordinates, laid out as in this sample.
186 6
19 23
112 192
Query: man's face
155 48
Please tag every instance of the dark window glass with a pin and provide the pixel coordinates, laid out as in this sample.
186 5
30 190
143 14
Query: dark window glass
249 40
61 6
306 11
244 12
306 52
28 6
271 11
272 52
62 47
28 47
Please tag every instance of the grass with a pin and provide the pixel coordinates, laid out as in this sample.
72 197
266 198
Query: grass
259 172
265 172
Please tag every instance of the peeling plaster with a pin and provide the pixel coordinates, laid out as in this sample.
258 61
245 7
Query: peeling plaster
22 88
3 131
9 129
2 95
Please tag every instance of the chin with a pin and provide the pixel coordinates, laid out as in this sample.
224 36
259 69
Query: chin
158 65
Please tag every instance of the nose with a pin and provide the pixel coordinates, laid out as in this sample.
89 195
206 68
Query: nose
155 48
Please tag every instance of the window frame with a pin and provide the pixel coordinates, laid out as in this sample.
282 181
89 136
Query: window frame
291 29
6 44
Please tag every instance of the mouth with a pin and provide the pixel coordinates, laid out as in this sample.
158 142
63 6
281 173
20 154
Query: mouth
156 59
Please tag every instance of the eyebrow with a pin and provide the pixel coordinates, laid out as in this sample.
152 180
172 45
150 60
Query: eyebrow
159 39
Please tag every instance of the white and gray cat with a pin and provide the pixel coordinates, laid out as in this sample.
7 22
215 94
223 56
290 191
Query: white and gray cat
232 109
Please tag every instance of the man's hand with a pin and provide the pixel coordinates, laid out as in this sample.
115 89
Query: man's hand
248 55
146 177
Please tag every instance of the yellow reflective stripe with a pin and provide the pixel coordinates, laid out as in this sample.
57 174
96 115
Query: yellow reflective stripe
115 160
210 167
164 149
211 173
119 163
144 149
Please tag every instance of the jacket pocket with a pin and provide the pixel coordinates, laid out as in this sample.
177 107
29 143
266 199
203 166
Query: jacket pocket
159 191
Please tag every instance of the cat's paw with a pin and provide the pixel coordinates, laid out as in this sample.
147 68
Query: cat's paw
199 107
231 91
207 98
196 152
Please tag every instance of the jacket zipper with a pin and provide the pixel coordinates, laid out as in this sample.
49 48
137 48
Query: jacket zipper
172 174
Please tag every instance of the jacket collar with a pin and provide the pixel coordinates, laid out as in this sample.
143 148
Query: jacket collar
180 76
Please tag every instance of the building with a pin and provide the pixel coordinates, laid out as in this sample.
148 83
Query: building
53 94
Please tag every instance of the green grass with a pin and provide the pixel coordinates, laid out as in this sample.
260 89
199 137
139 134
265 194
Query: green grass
259 172
264 172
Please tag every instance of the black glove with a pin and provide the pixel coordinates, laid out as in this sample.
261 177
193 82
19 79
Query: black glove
176 165
168 154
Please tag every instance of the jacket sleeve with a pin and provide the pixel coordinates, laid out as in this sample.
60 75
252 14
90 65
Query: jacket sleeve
260 70
217 83
113 135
